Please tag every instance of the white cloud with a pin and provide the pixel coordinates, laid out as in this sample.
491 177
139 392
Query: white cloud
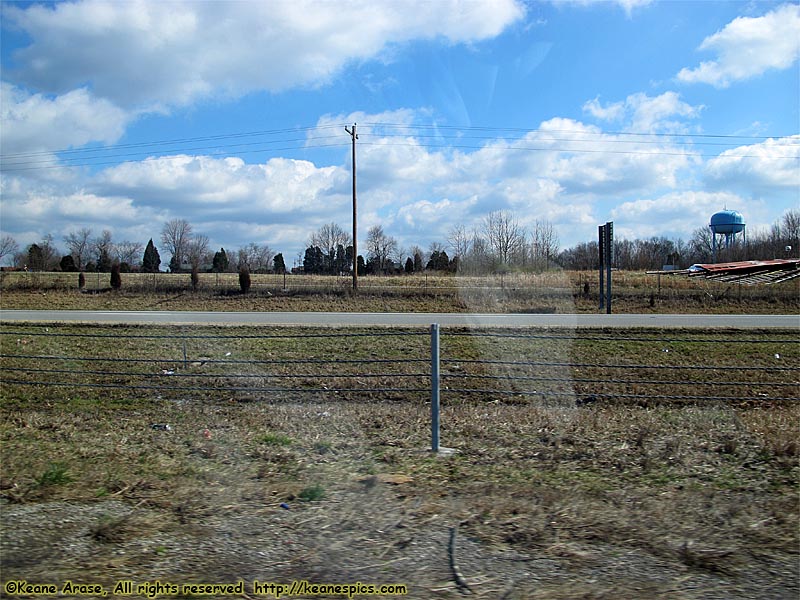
562 172
226 188
627 5
423 214
149 54
82 206
676 214
36 123
53 209
645 114
770 165
749 46
609 112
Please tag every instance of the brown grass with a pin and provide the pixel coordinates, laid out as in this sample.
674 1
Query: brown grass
607 500
552 292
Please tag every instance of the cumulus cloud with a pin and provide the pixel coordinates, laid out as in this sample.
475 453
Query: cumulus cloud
160 54
227 187
749 46
674 214
627 5
646 114
416 189
48 208
772 165
35 123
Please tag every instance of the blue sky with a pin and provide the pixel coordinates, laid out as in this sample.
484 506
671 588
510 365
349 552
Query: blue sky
125 115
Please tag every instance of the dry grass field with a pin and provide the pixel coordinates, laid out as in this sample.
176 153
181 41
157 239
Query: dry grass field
547 497
551 292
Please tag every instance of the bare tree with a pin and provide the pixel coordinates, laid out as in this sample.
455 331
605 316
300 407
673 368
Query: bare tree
435 247
460 241
79 245
544 244
701 245
104 250
175 237
381 248
329 237
128 252
8 245
49 252
197 250
39 257
503 233
255 258
790 228
420 258
479 259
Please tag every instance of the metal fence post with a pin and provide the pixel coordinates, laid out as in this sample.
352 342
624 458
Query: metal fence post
435 387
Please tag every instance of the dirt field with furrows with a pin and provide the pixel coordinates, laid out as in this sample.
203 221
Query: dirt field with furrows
544 496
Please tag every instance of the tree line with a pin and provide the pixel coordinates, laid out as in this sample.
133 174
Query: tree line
781 240
499 243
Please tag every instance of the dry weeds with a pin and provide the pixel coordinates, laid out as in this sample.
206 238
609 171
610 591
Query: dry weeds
550 292
550 503
549 500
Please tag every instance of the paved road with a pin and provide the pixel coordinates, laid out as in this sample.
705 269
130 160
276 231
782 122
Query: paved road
399 319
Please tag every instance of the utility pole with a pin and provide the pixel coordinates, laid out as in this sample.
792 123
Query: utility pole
354 136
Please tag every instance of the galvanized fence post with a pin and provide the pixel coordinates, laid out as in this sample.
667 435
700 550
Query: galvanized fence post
435 387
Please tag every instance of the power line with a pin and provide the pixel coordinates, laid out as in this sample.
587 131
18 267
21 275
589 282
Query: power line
604 140
632 133
181 150
117 162
584 151
85 158
435 128
168 141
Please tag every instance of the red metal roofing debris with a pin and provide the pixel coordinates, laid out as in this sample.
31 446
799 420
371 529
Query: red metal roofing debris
748 272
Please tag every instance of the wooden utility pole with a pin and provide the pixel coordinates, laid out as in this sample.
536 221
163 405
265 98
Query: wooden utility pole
354 136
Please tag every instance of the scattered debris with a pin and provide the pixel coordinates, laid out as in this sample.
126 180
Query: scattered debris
284 506
161 426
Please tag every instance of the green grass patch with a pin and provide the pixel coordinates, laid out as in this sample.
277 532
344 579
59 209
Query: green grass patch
275 439
312 493
55 474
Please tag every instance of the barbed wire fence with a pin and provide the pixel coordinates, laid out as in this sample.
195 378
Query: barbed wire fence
409 364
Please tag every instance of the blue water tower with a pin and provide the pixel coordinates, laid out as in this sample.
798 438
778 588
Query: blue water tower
727 224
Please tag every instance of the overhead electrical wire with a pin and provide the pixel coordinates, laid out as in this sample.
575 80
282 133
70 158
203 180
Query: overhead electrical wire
523 130
172 141
65 161
99 156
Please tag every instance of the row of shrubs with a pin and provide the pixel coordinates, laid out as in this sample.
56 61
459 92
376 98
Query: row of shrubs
116 279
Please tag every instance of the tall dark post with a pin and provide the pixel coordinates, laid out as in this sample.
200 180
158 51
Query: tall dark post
609 230
354 136
601 256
